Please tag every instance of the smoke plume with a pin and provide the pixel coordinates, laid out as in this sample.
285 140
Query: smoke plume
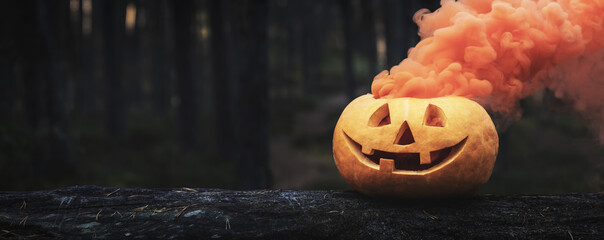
499 51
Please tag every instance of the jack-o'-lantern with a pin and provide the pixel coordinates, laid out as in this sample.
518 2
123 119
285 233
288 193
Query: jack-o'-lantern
415 147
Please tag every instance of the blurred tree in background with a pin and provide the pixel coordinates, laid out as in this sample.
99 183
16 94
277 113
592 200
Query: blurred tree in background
228 94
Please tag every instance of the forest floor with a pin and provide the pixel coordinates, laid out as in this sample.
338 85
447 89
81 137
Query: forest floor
303 159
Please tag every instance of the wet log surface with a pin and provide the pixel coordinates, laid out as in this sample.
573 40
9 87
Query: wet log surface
134 213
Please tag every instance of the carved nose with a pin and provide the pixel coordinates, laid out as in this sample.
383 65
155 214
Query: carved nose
404 136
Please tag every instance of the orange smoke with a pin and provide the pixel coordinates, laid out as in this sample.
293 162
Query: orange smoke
498 51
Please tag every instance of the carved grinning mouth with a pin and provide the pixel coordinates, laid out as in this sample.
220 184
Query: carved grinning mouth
408 161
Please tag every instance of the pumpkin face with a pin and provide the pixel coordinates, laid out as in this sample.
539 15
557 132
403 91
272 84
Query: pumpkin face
412 147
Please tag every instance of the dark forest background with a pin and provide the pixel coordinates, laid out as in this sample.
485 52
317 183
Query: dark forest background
226 94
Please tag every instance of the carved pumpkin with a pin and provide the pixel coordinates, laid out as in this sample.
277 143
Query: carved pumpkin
413 147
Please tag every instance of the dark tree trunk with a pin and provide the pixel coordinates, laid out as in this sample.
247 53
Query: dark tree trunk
97 61
368 34
54 23
308 66
348 46
75 59
41 51
291 18
133 58
395 42
32 56
224 74
7 81
83 59
161 60
252 165
283 87
290 58
282 78
113 59
312 45
110 213
410 37
9 56
186 87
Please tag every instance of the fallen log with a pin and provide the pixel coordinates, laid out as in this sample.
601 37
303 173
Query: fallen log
129 213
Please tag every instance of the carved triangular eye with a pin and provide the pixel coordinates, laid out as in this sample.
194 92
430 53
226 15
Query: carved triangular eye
380 117
435 117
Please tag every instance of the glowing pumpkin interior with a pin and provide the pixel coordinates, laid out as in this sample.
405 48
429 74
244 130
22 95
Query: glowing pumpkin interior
412 147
